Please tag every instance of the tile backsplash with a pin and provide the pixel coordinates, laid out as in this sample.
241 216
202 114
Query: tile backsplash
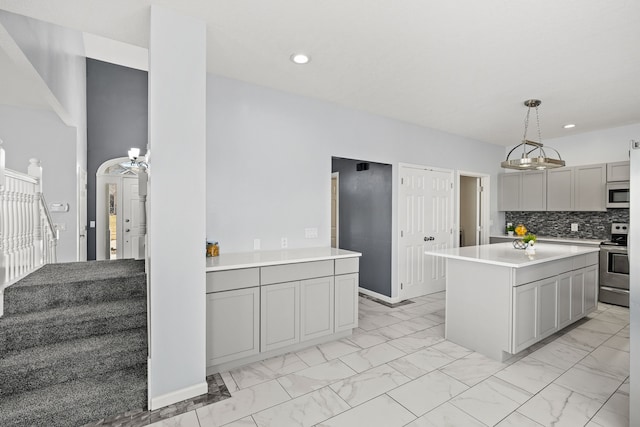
591 225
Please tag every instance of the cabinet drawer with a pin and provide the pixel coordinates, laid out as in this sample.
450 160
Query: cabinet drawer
542 271
232 279
593 258
298 271
347 265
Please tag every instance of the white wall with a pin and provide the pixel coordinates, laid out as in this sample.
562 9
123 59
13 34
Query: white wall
269 162
176 220
602 146
41 134
57 55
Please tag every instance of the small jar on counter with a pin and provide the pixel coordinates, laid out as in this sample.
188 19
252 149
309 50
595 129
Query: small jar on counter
213 249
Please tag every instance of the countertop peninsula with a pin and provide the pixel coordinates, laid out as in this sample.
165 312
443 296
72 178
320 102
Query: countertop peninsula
504 254
550 239
501 300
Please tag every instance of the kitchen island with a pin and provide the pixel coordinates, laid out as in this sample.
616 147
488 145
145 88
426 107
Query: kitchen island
265 303
501 300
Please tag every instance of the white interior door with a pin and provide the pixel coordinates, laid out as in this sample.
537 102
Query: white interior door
133 222
425 222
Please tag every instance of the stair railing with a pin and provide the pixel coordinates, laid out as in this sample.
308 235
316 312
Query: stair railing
28 237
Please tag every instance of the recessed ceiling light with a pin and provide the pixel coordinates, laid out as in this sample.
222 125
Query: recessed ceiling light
300 58
569 126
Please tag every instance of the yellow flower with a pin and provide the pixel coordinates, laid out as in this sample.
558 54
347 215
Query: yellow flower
521 230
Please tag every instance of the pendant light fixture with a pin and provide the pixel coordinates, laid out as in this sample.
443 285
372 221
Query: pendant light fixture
529 159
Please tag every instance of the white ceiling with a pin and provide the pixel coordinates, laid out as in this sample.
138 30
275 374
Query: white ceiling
463 66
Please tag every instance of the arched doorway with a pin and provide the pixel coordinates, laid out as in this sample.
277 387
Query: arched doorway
120 210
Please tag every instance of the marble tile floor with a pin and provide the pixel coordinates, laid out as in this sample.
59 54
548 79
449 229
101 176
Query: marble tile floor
398 370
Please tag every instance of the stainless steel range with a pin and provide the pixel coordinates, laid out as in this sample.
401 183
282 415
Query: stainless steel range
614 267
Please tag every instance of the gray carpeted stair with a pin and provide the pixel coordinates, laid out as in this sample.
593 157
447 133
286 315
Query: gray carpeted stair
61 285
73 344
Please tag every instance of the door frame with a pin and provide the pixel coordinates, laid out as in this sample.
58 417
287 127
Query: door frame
482 211
102 221
82 215
399 273
336 175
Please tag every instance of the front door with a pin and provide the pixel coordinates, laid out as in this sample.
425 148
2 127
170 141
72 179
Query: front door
425 222
133 223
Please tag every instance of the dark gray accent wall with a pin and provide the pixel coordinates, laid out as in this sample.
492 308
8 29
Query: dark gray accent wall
365 219
117 99
591 225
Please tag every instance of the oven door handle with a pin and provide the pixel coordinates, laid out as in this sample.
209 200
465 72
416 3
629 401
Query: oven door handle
614 290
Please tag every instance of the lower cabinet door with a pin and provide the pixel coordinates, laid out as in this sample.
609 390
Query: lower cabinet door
525 313
346 302
564 300
316 308
547 307
590 288
279 315
577 294
233 325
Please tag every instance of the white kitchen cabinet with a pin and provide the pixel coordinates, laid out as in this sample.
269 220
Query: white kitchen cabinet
590 187
535 312
618 171
233 325
525 328
279 315
577 294
522 191
590 288
534 191
316 307
564 300
263 304
519 300
560 189
346 302
509 191
547 307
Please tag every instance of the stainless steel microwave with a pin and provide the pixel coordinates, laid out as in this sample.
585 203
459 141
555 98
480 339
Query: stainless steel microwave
618 194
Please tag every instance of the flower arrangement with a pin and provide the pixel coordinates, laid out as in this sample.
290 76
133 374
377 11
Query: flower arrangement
529 238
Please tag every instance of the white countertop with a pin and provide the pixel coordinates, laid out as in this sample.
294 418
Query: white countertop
238 260
506 255
594 242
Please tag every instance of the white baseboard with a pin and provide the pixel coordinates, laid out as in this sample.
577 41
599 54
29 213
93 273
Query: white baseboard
379 296
178 396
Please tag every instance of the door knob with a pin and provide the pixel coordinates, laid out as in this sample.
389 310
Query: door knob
127 230
426 238
126 220
430 238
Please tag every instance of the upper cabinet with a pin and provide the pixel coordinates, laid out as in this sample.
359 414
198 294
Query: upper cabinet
509 191
618 171
577 188
590 188
522 191
560 189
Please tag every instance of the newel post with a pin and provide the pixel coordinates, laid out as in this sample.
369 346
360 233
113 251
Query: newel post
35 170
